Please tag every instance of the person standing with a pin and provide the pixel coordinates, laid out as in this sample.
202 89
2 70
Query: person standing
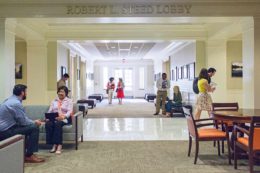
110 89
62 81
204 101
120 90
13 121
162 84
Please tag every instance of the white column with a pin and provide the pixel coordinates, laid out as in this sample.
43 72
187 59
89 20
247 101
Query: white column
7 58
251 63
37 72
216 58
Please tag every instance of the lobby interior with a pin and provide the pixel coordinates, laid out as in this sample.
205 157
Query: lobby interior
47 39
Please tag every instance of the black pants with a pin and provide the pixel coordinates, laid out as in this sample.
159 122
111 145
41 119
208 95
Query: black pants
31 133
54 132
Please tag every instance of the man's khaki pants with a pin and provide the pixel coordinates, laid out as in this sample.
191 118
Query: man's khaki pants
161 96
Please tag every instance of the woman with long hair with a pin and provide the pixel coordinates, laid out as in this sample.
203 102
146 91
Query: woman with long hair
120 90
204 101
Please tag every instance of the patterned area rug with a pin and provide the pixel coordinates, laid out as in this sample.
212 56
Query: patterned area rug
135 157
131 108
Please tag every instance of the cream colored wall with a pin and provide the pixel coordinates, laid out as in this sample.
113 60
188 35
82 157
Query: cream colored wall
21 58
234 54
200 57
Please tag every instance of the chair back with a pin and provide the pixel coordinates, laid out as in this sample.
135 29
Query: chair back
225 106
254 136
190 121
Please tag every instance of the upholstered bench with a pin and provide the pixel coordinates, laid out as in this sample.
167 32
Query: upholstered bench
83 107
97 97
90 102
71 133
177 111
149 96
101 96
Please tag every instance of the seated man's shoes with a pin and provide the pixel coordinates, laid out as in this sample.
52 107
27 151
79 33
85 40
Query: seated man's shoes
164 113
156 113
33 159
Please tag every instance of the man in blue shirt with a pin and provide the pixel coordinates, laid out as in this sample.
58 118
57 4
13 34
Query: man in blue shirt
13 120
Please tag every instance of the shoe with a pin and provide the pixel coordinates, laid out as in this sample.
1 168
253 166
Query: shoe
33 159
164 113
58 151
156 113
54 148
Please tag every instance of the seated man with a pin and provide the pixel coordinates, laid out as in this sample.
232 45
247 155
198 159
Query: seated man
13 120
177 101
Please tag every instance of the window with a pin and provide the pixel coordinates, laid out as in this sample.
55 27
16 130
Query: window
105 77
141 78
128 79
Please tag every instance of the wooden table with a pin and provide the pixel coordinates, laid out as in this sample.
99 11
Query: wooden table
240 116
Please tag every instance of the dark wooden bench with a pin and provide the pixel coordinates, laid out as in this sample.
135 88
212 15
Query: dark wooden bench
90 102
83 107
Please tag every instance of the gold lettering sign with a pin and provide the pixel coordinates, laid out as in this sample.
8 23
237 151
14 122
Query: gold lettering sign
130 9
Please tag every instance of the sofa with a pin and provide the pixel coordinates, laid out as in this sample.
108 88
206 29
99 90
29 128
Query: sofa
12 154
71 133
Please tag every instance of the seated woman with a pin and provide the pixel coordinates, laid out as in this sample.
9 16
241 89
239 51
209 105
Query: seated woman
177 101
64 107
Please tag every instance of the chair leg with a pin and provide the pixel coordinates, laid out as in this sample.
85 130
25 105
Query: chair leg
81 138
223 146
190 144
251 163
218 148
229 152
214 143
196 152
235 155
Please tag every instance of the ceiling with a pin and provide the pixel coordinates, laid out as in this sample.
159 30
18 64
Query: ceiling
129 37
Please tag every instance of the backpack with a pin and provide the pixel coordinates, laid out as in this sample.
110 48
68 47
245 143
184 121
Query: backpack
195 85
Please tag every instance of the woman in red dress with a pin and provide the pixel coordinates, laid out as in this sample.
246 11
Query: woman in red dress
120 90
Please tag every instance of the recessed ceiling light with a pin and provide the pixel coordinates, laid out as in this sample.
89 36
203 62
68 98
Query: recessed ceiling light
136 47
113 47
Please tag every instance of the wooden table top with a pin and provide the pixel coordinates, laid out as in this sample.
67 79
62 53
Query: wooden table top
243 115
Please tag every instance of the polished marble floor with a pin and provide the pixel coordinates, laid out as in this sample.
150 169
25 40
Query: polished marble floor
113 129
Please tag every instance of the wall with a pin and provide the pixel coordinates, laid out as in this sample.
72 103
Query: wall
184 56
147 64
21 58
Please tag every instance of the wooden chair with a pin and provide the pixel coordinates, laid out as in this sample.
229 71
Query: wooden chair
250 144
204 134
225 107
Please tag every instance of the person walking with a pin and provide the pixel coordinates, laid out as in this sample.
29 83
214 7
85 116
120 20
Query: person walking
204 101
120 90
162 84
110 89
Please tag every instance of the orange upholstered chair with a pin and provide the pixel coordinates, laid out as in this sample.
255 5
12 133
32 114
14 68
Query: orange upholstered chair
203 134
250 143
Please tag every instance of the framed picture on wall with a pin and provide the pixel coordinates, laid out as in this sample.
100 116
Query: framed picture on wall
18 71
236 69
78 74
173 75
62 70
191 69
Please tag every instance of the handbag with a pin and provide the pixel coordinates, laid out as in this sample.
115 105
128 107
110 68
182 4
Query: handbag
117 90
107 91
